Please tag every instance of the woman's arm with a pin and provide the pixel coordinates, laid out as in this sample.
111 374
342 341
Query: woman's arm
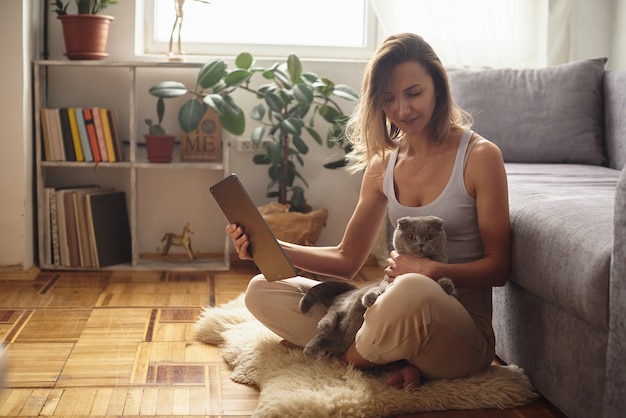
485 179
345 259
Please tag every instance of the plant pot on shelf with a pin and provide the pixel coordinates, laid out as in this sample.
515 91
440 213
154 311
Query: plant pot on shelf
160 148
85 36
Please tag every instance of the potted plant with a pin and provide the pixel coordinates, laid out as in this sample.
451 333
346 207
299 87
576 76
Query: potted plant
289 104
160 145
86 32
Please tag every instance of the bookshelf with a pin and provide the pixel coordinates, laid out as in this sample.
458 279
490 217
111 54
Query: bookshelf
160 198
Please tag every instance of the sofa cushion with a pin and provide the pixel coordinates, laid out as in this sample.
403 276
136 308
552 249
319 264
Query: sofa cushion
545 115
562 234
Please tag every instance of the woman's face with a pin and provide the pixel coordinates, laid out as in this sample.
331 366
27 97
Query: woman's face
409 100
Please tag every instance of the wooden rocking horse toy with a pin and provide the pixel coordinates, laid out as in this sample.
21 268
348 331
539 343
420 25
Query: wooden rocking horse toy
183 240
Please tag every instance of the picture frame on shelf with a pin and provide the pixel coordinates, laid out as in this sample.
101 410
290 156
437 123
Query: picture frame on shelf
204 144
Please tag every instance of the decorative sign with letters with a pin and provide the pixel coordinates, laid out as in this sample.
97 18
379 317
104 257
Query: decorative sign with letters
205 143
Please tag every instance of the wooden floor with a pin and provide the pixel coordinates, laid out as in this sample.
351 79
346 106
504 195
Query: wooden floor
121 344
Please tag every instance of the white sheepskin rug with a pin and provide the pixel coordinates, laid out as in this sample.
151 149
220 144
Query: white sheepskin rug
293 385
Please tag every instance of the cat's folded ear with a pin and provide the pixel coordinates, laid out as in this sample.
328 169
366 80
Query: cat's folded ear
438 222
404 220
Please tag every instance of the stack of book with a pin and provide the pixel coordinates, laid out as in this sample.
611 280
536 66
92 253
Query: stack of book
89 134
86 227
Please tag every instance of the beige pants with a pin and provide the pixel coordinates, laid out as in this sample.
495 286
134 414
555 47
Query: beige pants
414 320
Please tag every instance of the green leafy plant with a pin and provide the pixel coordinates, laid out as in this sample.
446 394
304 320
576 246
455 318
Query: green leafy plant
84 7
289 103
162 91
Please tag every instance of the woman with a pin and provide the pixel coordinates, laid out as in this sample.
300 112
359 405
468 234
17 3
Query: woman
420 158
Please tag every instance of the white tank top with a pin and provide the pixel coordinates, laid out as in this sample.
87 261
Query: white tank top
454 205
463 244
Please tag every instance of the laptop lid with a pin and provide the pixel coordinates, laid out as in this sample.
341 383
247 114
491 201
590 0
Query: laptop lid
238 208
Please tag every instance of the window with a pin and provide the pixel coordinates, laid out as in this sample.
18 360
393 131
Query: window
312 28
474 33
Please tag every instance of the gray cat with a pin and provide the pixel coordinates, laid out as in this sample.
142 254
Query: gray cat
423 236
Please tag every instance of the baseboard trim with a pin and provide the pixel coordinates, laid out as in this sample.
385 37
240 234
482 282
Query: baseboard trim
29 274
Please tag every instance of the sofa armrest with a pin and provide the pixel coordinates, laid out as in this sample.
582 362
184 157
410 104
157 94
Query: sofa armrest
615 123
616 350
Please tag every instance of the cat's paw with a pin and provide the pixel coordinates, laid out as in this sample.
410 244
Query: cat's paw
447 285
318 347
306 303
369 298
311 350
325 325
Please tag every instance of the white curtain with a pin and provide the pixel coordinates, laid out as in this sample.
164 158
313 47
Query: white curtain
484 33
560 29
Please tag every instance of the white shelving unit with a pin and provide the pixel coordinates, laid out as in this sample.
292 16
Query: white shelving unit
160 197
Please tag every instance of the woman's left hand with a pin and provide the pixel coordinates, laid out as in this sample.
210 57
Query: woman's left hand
398 264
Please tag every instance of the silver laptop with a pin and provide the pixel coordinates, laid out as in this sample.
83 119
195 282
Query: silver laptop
238 208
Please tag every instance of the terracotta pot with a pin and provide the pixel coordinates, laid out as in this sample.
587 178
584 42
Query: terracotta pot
85 36
160 148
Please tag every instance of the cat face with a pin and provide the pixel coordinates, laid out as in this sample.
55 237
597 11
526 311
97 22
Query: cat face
422 236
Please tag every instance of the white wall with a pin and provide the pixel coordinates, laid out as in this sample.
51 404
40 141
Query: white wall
16 219
592 27
599 29
618 51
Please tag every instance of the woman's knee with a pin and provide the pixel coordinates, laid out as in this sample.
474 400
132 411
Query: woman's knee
415 286
276 305
411 296
254 296
263 296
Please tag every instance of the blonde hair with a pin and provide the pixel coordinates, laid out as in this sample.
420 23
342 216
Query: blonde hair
369 124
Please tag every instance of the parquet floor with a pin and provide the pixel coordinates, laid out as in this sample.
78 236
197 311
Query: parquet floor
121 343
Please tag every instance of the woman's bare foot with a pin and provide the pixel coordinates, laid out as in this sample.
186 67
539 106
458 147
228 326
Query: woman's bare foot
288 344
408 375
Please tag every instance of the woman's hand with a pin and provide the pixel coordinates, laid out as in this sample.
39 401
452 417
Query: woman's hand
240 239
398 264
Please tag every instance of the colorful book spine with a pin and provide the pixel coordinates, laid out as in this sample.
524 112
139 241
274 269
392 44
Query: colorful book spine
84 138
84 239
78 148
71 231
68 143
91 134
95 114
45 135
55 116
64 251
117 135
108 137
56 136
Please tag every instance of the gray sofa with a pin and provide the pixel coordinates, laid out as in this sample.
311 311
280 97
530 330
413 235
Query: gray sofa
562 314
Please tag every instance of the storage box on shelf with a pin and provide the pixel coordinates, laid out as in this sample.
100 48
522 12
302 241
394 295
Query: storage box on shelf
159 198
